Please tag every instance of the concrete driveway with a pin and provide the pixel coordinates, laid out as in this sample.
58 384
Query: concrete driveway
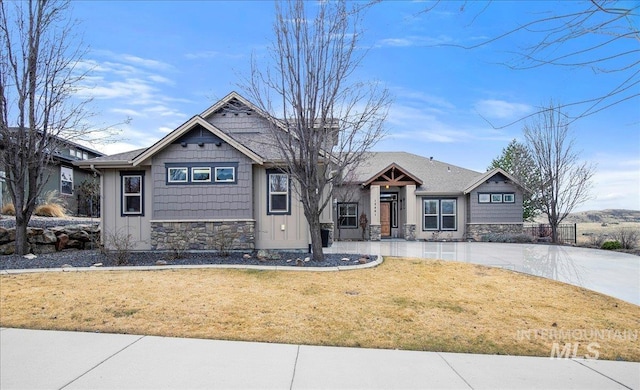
611 273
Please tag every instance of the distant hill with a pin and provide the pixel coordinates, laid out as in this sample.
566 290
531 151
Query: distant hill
608 216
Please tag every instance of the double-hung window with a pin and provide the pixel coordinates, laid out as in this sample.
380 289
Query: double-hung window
439 214
278 193
348 215
132 193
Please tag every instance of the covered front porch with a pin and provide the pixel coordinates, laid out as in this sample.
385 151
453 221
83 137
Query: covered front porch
383 207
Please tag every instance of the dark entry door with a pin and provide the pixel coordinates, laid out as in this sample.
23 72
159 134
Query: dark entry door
385 219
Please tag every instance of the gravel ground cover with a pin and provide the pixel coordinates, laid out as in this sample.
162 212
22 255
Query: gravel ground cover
88 258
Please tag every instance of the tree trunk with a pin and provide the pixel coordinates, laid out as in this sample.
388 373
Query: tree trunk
21 243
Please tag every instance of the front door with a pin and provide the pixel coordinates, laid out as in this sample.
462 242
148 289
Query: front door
385 219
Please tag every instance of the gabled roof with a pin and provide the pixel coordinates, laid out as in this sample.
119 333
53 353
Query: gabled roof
184 128
488 175
435 177
393 175
234 95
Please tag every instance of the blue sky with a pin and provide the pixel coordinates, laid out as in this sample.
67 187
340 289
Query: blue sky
161 62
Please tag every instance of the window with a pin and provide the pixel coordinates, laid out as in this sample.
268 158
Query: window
201 174
132 186
177 175
348 215
440 214
225 174
430 214
448 214
66 181
496 198
278 197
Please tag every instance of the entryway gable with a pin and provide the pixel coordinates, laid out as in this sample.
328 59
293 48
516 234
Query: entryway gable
393 176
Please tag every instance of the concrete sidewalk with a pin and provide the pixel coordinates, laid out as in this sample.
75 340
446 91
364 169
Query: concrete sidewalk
33 359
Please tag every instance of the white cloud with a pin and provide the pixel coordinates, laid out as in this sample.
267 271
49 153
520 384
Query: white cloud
616 184
500 109
415 40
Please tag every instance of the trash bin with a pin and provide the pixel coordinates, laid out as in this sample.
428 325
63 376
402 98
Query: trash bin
324 233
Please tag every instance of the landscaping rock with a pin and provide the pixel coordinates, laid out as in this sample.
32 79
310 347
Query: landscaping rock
62 242
161 262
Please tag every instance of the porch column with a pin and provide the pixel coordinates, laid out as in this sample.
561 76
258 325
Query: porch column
374 220
411 210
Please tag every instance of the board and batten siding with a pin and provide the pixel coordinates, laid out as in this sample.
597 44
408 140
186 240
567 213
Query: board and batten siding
114 225
495 212
277 231
205 201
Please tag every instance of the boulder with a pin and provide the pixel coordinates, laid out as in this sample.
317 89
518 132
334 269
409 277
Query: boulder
7 249
63 239
43 248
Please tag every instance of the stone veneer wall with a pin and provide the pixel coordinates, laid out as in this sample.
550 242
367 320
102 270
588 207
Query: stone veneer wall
203 235
375 232
409 232
475 231
328 226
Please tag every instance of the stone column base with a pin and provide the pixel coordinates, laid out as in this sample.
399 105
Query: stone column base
375 232
409 232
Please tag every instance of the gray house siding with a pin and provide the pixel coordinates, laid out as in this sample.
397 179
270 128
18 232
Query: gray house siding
206 200
53 184
495 212
240 123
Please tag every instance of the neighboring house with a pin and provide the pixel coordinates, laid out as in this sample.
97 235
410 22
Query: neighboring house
215 181
403 195
66 178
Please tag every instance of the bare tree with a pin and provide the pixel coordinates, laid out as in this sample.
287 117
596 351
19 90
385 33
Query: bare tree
38 78
327 121
601 35
565 180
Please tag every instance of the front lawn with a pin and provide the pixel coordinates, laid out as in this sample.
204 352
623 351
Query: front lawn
411 304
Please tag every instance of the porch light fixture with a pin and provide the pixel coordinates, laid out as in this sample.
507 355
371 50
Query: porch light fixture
218 144
184 144
387 186
200 144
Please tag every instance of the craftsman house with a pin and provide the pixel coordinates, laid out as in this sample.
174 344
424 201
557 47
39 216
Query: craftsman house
402 195
215 181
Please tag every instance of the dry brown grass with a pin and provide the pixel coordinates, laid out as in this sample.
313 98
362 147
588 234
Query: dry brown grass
589 232
50 210
408 304
8 209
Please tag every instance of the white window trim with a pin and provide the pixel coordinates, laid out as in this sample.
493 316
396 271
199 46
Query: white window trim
126 195
354 216
286 193
232 180
193 172
186 174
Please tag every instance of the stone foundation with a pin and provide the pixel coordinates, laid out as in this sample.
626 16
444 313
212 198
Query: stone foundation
409 232
375 232
475 231
203 235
